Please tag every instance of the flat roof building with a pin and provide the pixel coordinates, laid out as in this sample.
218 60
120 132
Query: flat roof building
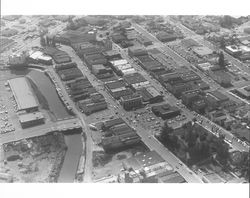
131 101
135 80
31 119
150 95
165 111
23 95
202 51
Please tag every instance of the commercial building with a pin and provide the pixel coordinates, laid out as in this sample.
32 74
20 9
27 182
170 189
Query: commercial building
215 99
205 66
122 67
233 50
23 95
189 43
201 85
177 88
165 111
202 51
148 167
150 95
244 92
109 123
221 77
188 97
119 62
112 55
118 38
95 59
149 63
117 134
31 119
166 37
72 37
199 105
85 49
17 59
188 75
130 102
144 40
39 57
118 89
136 80
65 66
218 116
136 51
69 74
128 71
100 69
181 76
57 55
92 104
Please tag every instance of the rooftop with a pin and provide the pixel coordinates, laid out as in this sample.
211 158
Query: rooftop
144 160
202 51
218 95
134 78
115 84
205 66
119 62
30 117
39 55
24 97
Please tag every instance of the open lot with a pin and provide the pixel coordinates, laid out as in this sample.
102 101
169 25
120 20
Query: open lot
108 164
36 159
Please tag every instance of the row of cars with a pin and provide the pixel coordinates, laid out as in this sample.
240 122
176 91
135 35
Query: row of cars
188 55
58 89
218 132
5 125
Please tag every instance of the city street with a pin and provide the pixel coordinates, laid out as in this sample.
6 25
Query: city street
146 136
173 54
39 130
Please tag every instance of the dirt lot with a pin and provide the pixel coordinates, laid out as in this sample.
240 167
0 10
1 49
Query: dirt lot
107 164
37 159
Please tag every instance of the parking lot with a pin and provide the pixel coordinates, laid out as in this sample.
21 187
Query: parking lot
7 110
9 122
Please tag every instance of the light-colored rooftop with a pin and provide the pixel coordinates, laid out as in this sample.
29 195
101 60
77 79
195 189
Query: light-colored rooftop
39 55
202 51
30 117
24 97
119 62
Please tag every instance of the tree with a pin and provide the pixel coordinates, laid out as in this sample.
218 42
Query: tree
226 21
53 42
42 41
222 43
221 60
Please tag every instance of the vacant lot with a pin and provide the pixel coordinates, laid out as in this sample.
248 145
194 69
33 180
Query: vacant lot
37 159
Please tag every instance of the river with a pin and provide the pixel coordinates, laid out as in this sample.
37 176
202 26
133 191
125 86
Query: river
48 94
72 157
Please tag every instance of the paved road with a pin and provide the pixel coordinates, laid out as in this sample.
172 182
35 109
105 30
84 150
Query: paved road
38 130
152 143
173 54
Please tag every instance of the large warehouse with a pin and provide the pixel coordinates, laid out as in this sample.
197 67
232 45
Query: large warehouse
24 97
